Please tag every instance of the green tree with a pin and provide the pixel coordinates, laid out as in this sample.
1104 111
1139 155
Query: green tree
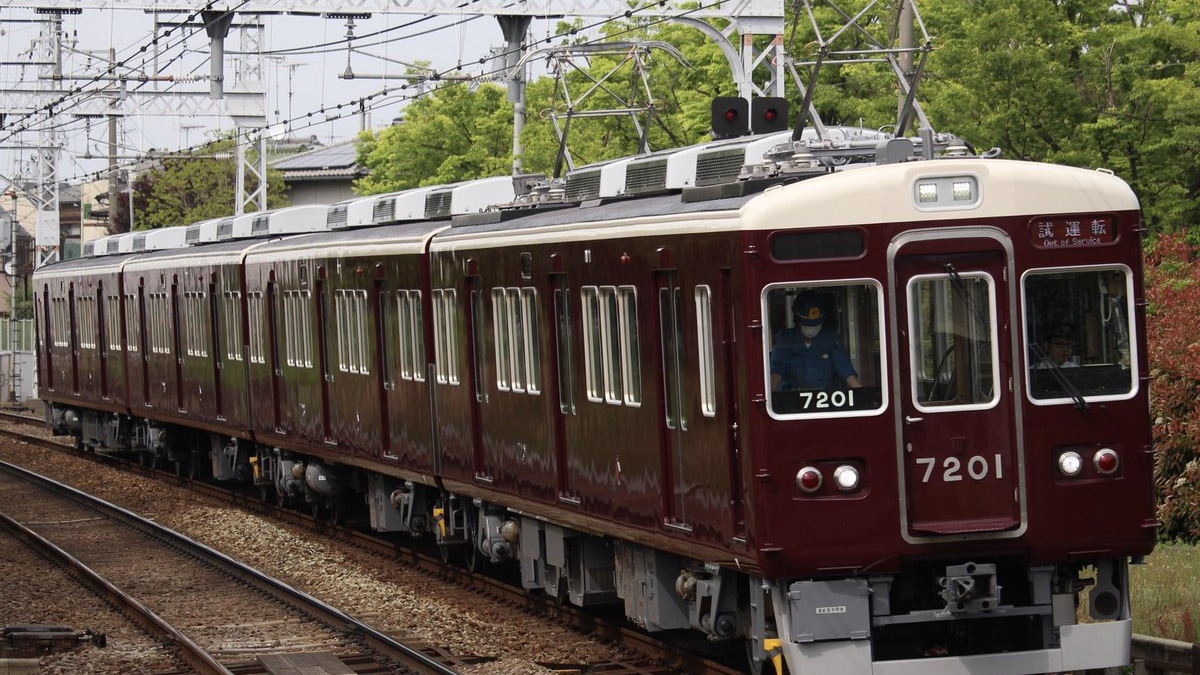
457 133
450 135
185 190
1081 82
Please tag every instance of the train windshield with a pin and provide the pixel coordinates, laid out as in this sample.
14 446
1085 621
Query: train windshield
1077 327
824 348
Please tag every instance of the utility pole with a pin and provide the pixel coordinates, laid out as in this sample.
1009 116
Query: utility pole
114 192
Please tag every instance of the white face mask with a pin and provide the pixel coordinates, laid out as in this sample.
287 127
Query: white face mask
810 332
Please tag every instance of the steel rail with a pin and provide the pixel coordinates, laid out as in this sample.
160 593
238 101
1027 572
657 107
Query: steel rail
379 642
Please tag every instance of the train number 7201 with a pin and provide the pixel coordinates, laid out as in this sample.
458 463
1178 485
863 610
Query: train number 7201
977 467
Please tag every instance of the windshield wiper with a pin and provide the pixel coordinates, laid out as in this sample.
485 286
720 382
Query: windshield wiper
1056 371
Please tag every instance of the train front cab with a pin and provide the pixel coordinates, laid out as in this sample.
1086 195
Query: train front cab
942 513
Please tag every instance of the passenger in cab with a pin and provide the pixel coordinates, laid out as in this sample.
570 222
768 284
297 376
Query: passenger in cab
806 356
1058 346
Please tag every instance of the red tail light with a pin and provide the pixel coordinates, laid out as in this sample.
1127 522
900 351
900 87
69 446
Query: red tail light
809 479
1106 461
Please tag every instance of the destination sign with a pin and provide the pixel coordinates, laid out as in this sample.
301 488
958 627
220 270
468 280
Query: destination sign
1059 232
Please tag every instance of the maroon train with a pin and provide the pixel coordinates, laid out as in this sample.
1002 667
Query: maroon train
580 383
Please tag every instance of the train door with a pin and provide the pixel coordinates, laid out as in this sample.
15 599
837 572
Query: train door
476 355
74 338
215 326
143 340
273 329
44 338
675 431
959 453
324 329
564 383
102 338
383 316
177 343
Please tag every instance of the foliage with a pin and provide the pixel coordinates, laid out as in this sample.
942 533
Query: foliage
458 133
1081 82
1173 312
184 190
452 135
1165 593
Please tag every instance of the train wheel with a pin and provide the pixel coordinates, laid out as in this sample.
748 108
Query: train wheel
146 459
445 552
265 494
182 468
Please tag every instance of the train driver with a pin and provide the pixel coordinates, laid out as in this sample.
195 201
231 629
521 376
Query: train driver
1058 346
808 357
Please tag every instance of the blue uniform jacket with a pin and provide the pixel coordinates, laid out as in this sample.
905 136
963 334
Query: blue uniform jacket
810 366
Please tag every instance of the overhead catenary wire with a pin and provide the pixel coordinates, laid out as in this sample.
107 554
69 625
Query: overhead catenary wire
426 86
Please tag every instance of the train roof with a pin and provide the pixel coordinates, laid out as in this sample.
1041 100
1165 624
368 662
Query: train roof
398 238
941 190
649 192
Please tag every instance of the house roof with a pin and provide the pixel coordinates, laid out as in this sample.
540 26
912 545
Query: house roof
334 161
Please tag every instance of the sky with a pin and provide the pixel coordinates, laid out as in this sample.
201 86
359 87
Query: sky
303 58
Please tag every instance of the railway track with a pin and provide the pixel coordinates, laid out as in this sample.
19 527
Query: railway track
1158 656
657 657
217 614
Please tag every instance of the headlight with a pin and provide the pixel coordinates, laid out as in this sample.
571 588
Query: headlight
1070 463
846 478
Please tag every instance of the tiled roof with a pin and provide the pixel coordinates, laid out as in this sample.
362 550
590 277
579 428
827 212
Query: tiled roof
339 158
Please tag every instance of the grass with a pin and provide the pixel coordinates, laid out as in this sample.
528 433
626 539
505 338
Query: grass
1165 593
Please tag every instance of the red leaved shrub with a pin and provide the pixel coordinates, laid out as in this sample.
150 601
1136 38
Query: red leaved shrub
1173 334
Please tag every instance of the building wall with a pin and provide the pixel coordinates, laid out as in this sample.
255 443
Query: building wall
320 192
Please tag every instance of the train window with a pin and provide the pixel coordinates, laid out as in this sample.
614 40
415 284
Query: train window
58 322
159 316
610 345
478 350
704 344
824 349
518 358
627 325
531 337
133 326
593 361
1078 324
298 347
562 316
952 341
254 315
350 305
611 353
232 325
445 335
411 348
195 323
500 329
112 321
817 245
85 309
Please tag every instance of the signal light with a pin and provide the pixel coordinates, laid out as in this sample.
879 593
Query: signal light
768 114
730 117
